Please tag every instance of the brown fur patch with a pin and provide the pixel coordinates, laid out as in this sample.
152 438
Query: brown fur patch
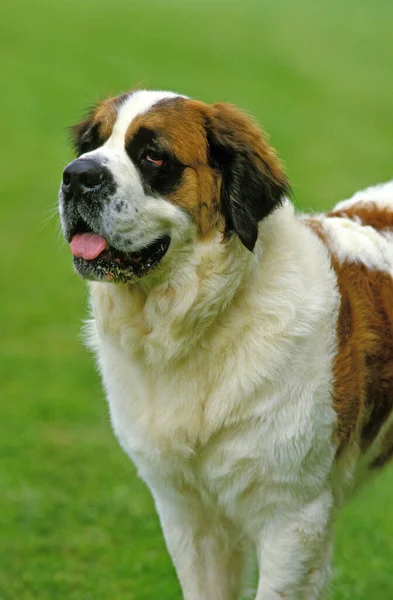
363 393
181 123
103 115
363 367
369 214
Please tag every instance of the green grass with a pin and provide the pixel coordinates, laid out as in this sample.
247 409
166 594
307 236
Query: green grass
75 522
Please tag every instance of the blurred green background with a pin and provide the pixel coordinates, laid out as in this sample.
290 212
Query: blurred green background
75 522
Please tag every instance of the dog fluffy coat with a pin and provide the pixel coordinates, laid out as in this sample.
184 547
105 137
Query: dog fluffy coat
249 374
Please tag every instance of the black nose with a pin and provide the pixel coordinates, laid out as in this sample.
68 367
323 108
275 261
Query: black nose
83 175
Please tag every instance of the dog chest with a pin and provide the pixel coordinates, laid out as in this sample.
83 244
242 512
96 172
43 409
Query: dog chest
178 428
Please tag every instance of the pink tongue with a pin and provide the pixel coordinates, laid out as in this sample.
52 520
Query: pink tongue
87 245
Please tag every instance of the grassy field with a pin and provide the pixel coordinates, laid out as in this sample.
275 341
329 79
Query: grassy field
75 522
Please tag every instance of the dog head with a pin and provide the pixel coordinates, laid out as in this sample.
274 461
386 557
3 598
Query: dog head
154 173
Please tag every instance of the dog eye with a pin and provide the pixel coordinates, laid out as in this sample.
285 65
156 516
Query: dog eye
155 158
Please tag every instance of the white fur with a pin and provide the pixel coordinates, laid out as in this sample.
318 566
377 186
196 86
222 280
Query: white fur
136 104
353 242
350 240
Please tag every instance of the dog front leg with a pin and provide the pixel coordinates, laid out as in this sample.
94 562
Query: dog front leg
207 554
294 553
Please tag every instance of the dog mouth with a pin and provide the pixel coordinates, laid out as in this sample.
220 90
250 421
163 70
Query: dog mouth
94 258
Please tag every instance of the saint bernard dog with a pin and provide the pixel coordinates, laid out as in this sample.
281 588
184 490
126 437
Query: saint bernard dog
246 351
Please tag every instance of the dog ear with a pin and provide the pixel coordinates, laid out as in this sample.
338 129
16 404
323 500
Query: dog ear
93 131
83 136
87 135
253 183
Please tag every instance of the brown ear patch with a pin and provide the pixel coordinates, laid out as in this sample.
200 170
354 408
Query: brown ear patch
106 113
253 183
97 127
235 128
